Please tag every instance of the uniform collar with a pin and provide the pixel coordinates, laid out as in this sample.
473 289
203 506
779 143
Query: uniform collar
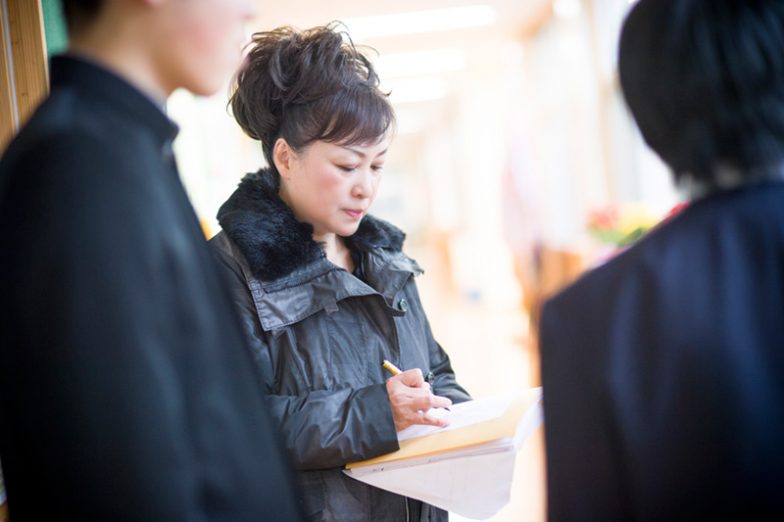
88 76
728 179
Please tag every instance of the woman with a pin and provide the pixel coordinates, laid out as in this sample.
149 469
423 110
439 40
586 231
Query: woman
325 291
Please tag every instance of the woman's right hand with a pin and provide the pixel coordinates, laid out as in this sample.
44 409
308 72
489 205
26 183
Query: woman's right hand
411 398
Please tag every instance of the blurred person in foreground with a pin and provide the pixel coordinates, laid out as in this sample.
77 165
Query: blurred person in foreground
126 391
324 288
663 370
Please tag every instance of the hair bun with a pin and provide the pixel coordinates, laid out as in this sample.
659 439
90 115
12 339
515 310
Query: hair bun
286 67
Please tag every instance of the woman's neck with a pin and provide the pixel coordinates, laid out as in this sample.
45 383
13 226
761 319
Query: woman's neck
336 250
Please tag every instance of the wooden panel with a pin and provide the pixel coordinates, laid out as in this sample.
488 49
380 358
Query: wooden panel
8 119
554 269
28 45
24 74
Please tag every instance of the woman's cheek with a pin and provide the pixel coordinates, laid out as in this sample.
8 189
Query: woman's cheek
376 186
335 187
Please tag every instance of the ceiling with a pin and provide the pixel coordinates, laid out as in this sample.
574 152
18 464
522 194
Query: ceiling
513 19
423 69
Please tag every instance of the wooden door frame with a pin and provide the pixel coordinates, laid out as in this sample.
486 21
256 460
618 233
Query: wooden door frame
24 65
24 75
9 119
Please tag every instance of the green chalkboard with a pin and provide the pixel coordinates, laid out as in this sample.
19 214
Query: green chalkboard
54 27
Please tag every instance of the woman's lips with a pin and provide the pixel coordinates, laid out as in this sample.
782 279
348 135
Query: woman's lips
354 214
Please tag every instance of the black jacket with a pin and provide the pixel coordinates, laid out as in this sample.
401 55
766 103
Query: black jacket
320 335
126 391
663 372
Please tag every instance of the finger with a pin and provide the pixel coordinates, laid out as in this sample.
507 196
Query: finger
432 421
425 402
420 399
436 401
412 378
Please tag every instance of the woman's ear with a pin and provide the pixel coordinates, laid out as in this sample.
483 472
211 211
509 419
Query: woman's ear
283 156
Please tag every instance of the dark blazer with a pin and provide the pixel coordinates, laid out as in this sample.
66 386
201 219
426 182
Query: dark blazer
663 372
126 388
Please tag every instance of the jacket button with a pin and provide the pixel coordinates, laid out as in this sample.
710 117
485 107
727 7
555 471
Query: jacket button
403 305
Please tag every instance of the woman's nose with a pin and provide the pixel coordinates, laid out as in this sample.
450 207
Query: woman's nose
363 187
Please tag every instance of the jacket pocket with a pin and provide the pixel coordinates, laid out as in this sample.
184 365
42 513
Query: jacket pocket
351 356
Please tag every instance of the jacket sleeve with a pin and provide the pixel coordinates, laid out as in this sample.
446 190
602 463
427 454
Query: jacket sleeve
323 429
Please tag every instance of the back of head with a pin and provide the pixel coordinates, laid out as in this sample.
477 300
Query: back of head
307 86
79 13
704 80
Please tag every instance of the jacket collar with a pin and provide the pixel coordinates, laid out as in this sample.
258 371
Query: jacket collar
728 179
276 245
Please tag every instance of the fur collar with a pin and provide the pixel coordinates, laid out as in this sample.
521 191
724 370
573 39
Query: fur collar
274 243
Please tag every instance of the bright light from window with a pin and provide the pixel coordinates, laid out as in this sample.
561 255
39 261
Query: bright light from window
420 63
421 21
421 89
567 8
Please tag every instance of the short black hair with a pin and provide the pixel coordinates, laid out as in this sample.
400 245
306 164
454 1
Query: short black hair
704 79
307 86
79 13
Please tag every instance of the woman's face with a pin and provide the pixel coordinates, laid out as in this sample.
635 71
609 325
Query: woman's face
332 186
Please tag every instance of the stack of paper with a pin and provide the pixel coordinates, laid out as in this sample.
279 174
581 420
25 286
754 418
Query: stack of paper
467 467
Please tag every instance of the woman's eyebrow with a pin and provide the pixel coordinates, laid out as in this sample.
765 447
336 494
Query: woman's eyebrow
362 154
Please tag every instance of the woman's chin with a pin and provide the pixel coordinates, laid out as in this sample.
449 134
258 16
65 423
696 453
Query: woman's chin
347 229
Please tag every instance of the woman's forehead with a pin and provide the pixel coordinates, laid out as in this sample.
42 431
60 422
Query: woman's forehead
361 150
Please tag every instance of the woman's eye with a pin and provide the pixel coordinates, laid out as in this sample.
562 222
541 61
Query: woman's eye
377 168
346 168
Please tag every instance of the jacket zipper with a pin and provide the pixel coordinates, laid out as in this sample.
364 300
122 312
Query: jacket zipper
408 515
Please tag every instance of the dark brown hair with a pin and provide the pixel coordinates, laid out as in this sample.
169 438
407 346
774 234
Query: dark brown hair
306 86
79 13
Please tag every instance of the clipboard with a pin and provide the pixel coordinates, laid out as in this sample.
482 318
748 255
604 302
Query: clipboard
466 469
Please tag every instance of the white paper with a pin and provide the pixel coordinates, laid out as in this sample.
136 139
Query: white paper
475 486
459 416
474 482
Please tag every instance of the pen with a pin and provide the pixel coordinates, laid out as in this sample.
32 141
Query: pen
391 368
394 370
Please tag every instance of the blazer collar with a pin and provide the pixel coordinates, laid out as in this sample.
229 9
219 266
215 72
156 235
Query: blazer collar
114 91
